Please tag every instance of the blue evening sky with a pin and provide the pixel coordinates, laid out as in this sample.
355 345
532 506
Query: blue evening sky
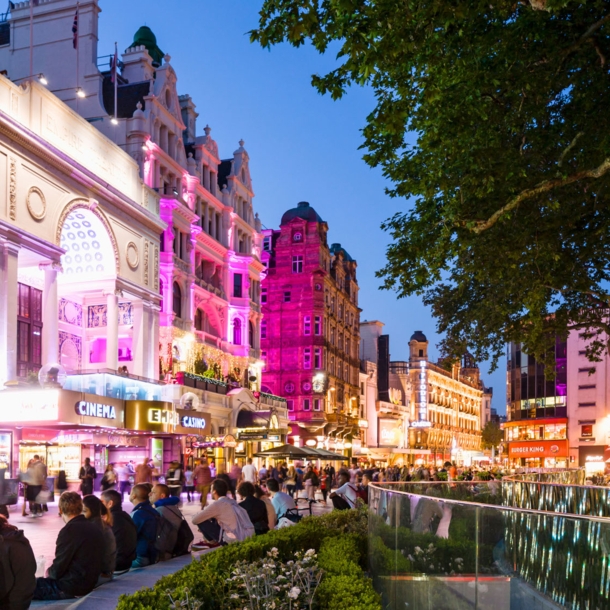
302 146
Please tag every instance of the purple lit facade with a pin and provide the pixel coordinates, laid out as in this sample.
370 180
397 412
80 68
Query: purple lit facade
310 331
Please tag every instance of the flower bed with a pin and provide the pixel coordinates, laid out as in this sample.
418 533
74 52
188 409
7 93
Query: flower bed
339 540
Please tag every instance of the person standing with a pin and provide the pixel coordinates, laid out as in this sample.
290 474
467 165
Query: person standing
78 562
203 478
235 476
109 478
311 483
189 484
144 472
291 481
87 476
124 475
262 474
123 528
249 473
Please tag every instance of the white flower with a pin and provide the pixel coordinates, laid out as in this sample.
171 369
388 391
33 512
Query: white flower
418 550
309 553
234 596
294 592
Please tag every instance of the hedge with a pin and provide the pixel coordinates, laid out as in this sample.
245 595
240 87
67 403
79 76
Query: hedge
340 538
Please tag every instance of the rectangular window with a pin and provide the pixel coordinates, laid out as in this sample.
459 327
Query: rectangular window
317 358
307 325
332 336
362 389
586 404
267 244
297 264
287 297
263 329
317 326
306 404
290 405
317 404
264 359
586 369
237 285
586 387
263 295
307 358
29 330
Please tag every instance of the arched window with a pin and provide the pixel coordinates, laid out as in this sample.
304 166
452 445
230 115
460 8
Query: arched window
199 320
237 331
251 334
177 300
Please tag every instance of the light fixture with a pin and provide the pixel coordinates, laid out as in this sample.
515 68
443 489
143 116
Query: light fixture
80 92
42 79
311 443
114 121
144 147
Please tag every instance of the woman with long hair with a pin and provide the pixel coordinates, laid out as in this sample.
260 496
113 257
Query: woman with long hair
95 511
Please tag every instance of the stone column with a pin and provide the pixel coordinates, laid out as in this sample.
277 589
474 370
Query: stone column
9 300
138 341
112 330
206 217
50 302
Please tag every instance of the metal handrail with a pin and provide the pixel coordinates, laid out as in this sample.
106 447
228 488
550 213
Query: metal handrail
531 511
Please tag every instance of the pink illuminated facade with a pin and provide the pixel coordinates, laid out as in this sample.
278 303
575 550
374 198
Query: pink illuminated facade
206 265
310 330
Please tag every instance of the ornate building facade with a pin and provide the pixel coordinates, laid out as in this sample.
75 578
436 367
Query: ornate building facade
205 264
310 333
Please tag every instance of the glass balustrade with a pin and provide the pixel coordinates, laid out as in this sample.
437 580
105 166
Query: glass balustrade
453 546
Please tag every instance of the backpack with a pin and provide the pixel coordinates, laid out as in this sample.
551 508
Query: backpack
184 539
166 535
362 493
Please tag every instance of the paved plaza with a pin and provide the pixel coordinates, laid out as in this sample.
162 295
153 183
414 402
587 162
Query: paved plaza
42 533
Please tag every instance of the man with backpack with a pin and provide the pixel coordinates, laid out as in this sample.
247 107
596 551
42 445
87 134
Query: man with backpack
179 536
145 517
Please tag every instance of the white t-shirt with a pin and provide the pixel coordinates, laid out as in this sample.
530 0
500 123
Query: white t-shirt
249 473
348 491
353 474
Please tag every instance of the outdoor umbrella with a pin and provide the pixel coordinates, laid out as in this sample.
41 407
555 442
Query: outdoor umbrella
327 455
287 451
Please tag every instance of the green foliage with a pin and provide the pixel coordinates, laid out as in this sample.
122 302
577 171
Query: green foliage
491 118
492 435
207 579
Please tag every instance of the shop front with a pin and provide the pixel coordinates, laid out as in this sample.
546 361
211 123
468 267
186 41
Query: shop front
61 426
593 459
539 454
540 443
166 429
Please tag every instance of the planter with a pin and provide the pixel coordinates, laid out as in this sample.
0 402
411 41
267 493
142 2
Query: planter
456 592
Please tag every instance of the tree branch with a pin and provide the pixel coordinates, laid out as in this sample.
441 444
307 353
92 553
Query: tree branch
570 147
543 187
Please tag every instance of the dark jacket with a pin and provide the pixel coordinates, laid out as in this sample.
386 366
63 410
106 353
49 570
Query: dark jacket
87 476
257 511
126 536
78 562
17 570
146 517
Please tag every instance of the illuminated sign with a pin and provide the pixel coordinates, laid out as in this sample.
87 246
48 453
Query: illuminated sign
93 409
421 424
30 406
538 449
389 433
594 458
188 421
161 416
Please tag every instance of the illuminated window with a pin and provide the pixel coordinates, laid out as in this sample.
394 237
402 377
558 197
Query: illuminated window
29 330
199 320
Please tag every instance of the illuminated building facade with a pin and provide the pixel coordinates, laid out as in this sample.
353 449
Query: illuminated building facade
206 262
422 411
310 332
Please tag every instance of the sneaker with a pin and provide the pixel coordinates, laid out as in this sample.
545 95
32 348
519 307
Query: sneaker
203 545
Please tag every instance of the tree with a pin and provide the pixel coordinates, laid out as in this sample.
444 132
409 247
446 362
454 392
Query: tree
492 435
492 120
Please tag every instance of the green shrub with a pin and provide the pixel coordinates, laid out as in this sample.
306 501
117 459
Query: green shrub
206 578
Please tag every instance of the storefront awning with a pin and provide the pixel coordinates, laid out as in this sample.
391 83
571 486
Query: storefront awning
253 419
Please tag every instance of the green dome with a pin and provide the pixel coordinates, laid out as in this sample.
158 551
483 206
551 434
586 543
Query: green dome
146 37
304 211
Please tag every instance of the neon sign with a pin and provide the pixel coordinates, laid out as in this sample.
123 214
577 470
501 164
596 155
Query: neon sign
188 421
93 409
161 416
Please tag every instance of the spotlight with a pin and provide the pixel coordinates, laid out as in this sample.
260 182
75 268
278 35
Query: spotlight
114 121
42 79
80 92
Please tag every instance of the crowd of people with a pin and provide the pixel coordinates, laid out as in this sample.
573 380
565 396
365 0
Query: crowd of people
245 502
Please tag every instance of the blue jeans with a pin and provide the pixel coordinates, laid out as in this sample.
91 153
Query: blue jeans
47 588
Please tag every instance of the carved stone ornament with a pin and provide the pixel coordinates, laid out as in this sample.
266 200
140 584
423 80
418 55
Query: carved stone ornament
36 203
146 248
132 255
13 189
